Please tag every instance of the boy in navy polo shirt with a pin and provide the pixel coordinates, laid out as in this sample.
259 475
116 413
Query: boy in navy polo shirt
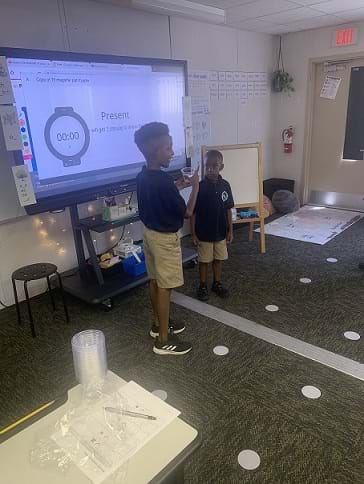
162 210
211 224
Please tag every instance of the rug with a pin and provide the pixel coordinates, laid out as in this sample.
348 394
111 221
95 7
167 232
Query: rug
317 225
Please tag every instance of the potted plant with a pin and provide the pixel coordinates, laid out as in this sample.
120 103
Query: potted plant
282 81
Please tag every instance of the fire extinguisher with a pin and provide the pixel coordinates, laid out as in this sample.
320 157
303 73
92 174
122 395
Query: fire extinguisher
287 138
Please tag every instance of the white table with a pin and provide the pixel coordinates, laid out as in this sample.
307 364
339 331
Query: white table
159 461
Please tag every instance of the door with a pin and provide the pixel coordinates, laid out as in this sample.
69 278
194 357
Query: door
332 180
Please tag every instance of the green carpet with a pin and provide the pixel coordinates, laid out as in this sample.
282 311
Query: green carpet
318 313
248 399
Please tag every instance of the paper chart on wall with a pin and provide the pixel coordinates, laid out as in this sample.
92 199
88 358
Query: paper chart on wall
330 87
246 86
200 83
6 91
198 79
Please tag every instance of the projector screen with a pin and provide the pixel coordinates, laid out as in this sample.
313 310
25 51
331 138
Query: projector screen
78 114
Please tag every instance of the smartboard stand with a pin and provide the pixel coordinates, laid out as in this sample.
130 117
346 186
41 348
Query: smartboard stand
87 282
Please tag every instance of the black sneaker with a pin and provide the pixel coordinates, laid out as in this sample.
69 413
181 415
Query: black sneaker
172 347
219 290
174 328
203 293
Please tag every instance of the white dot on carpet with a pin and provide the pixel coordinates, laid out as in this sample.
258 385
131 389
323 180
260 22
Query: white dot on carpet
331 259
311 392
160 394
352 335
272 308
249 460
305 280
221 350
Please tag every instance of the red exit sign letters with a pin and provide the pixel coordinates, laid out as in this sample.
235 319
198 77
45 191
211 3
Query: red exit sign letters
343 37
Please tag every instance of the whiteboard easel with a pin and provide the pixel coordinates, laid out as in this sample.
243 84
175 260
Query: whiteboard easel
243 170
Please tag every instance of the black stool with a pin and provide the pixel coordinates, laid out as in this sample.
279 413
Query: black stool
32 273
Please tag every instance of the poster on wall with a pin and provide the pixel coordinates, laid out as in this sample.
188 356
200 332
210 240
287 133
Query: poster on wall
330 87
6 91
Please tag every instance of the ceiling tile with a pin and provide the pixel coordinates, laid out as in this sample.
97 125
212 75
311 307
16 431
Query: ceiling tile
258 8
335 6
352 15
307 3
292 15
258 25
222 3
315 23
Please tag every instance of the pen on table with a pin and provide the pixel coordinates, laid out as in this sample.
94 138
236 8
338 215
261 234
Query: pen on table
129 414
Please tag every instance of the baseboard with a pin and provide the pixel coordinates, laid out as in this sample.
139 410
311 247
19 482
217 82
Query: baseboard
346 201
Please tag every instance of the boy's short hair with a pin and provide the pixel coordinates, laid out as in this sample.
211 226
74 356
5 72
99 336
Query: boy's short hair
148 137
213 155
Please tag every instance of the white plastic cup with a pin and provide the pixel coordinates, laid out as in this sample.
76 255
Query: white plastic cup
187 172
89 357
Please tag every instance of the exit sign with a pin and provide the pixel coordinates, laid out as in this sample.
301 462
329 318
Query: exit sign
347 36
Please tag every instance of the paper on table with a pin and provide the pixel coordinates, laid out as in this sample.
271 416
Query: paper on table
96 449
6 90
10 124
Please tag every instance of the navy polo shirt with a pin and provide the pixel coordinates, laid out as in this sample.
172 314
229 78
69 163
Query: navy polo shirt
214 199
161 207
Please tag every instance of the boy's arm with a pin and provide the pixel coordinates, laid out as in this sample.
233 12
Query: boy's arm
230 232
193 229
195 182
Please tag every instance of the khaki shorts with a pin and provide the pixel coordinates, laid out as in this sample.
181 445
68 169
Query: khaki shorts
163 257
209 251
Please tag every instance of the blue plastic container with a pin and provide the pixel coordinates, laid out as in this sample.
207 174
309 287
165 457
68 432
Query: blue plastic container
133 267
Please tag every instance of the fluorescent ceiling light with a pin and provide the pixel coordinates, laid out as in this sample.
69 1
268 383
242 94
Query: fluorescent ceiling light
183 7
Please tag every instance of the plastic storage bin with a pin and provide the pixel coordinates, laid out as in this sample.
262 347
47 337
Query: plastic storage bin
133 267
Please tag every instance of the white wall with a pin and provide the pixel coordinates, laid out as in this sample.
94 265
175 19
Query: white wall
298 49
84 25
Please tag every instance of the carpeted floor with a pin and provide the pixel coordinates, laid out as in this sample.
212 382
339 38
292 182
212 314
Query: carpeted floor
318 313
248 399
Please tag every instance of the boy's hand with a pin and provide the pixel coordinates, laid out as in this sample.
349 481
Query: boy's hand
229 237
195 240
195 178
181 183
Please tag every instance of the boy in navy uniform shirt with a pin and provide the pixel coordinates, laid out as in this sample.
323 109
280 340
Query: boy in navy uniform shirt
162 210
211 224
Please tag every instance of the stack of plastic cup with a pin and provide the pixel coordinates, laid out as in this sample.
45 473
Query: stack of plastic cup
89 357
